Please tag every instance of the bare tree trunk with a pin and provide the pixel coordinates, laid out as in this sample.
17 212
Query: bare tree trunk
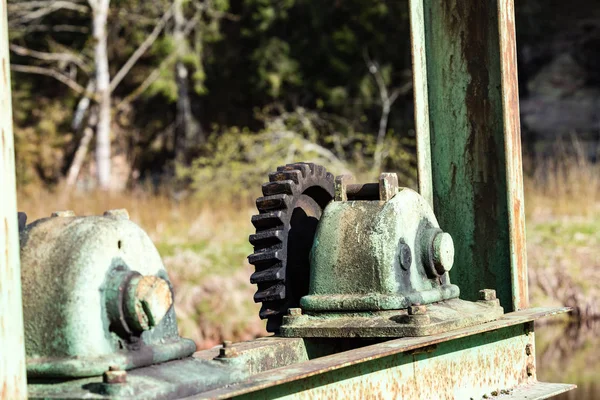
383 123
82 149
100 9
187 129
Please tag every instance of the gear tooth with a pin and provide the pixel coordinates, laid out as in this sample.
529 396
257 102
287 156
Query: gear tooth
268 220
270 293
285 176
304 168
267 238
270 203
271 309
318 170
329 176
281 187
266 257
272 274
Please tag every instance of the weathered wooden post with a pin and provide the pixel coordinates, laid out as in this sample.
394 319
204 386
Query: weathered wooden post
13 384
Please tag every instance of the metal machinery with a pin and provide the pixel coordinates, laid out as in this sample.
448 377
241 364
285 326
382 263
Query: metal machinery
354 279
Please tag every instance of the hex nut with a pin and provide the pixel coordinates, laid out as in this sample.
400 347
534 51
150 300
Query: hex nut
227 351
487 295
66 213
417 309
114 375
22 218
294 312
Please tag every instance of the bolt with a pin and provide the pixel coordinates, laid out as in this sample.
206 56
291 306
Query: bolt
443 252
530 369
294 312
417 309
114 375
529 349
66 213
147 301
119 213
487 294
227 351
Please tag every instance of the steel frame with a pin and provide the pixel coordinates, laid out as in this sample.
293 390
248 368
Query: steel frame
467 120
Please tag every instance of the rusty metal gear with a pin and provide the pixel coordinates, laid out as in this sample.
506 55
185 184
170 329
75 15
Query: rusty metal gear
294 199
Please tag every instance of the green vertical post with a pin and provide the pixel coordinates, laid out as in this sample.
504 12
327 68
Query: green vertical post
13 383
467 107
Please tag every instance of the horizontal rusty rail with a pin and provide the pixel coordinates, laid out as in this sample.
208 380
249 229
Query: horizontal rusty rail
516 328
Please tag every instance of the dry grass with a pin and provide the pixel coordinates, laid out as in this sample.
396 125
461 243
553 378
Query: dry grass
204 245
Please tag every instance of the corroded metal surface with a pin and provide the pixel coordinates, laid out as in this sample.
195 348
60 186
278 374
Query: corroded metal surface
371 255
433 319
96 294
465 50
464 363
12 355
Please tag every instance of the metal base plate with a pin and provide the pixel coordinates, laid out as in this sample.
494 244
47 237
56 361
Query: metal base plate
440 317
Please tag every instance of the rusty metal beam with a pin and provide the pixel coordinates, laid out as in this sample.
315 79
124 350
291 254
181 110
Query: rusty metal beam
468 119
13 383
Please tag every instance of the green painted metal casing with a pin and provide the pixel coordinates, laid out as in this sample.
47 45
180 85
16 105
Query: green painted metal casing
356 256
75 272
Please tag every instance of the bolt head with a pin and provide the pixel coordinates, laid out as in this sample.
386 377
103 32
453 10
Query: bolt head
443 252
417 310
226 343
228 352
487 294
295 312
114 375
405 256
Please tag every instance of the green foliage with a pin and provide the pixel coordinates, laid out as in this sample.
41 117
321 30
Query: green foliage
237 161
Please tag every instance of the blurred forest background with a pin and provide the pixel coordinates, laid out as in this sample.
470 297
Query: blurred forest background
178 109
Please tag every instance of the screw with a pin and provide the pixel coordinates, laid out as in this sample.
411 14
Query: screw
529 349
487 294
119 213
294 312
417 309
66 213
114 375
530 369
